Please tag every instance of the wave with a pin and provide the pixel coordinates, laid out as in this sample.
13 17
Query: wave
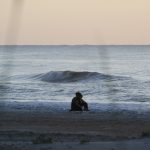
73 76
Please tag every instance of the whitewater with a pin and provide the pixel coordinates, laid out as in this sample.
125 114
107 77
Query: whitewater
105 75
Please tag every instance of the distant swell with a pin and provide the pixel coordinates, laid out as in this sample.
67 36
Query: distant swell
72 76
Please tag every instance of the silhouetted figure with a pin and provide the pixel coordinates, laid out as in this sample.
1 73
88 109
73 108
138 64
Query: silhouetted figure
78 104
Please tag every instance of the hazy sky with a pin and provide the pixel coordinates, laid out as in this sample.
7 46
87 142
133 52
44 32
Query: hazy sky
74 21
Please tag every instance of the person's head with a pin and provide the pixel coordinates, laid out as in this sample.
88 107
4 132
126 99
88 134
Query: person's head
79 95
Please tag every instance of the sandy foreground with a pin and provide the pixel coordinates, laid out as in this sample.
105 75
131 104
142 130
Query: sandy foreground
38 130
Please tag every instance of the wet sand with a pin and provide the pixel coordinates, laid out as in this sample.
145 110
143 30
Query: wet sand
36 128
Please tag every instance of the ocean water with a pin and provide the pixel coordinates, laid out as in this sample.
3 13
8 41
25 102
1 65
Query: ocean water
104 74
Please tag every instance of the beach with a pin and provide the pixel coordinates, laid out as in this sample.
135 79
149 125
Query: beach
61 56
36 93
39 129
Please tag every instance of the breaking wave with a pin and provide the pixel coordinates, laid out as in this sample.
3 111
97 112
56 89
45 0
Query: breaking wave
73 76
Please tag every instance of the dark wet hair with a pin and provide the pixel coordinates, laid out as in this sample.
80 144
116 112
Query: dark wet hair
78 94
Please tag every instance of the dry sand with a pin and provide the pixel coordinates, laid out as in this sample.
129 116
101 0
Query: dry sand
27 130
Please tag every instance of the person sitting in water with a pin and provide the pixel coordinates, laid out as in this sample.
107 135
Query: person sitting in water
78 104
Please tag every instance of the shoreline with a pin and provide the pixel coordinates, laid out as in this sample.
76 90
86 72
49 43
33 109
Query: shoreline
58 106
108 126
22 128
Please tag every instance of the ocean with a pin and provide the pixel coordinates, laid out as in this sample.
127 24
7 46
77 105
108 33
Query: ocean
116 75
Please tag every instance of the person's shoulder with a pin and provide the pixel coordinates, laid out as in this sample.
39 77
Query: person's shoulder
74 98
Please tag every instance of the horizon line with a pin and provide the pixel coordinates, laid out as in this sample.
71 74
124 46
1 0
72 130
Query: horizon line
74 44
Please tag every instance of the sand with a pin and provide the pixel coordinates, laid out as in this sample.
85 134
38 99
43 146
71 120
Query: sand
73 130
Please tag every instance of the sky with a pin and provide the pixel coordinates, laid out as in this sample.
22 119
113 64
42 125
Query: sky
70 22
